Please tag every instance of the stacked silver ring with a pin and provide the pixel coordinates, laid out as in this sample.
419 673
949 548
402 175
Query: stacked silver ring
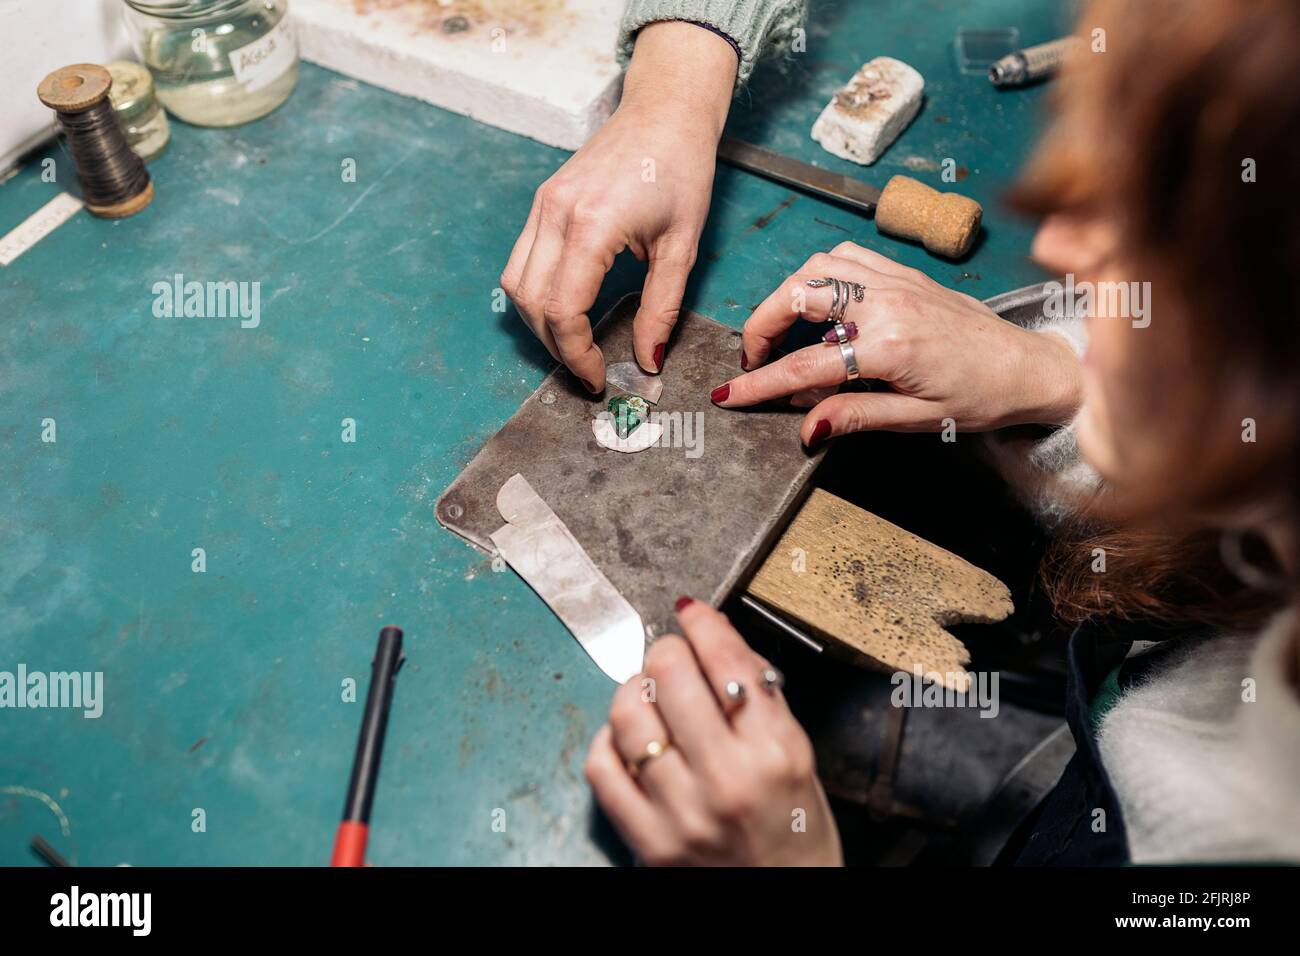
841 291
839 308
840 304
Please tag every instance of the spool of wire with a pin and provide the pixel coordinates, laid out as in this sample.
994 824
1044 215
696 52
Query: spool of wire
114 181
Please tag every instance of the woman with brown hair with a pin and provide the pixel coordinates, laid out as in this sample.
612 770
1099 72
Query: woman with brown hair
1166 187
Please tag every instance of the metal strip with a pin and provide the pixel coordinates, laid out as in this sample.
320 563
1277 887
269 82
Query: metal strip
536 543
779 622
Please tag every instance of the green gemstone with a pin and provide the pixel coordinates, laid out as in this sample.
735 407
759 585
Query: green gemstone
629 411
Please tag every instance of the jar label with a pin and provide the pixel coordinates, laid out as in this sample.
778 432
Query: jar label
265 60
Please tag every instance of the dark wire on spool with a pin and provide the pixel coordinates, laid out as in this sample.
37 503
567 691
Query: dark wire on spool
114 181
108 168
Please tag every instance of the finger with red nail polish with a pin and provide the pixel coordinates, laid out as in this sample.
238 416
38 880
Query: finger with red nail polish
847 412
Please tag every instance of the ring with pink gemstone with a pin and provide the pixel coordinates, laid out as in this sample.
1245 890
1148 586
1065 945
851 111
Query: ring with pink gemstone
841 332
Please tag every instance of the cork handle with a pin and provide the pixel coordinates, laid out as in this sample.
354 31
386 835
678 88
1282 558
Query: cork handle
945 223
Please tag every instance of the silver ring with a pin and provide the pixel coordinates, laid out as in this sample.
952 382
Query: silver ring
771 680
843 309
733 697
841 332
850 361
841 290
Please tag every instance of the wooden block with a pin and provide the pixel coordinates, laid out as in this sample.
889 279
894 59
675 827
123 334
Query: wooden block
866 585
543 68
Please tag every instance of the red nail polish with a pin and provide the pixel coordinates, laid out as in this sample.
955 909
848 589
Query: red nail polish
720 393
659 357
820 431
682 602
744 361
591 388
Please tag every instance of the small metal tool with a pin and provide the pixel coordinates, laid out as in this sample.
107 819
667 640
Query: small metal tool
1032 63
776 620
945 223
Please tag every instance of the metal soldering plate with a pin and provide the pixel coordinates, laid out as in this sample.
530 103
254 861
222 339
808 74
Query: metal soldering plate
658 523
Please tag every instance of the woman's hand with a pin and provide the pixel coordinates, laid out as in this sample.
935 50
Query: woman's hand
945 355
727 787
642 182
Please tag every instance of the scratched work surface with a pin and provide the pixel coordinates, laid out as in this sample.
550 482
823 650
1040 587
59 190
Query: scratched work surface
223 689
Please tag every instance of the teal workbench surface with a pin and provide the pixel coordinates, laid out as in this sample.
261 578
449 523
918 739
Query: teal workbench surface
223 690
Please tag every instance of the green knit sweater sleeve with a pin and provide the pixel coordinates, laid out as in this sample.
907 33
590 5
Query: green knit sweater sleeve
758 27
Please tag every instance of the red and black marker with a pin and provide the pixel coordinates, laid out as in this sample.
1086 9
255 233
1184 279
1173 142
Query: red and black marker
350 842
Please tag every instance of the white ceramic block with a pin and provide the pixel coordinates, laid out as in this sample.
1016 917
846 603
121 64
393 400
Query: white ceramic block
869 111
544 68
41 36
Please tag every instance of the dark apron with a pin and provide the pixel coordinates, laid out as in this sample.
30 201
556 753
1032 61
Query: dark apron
1079 822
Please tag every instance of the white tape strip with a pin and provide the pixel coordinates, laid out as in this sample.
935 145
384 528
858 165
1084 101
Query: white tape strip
37 226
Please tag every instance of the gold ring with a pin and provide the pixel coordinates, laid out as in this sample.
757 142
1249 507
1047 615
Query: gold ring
655 748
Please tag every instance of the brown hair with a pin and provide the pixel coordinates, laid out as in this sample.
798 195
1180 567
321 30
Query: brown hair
1157 131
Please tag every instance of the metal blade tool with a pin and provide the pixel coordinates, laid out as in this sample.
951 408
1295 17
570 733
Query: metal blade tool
545 553
945 223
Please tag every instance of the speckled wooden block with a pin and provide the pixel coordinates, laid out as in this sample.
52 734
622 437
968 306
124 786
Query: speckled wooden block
884 594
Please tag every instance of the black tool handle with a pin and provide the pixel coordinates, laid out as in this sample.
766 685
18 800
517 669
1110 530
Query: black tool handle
370 745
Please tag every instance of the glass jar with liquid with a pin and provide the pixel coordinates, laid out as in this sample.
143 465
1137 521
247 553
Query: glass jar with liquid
216 62
142 118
